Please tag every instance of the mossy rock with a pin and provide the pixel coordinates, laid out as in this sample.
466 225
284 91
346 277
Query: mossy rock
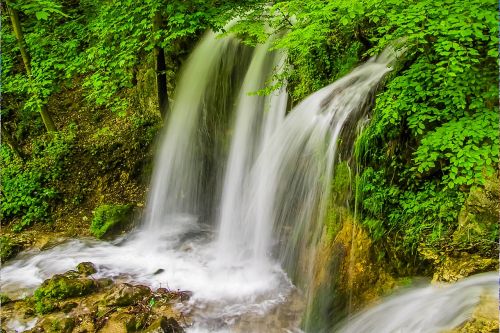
86 268
59 287
57 324
165 325
8 248
125 294
109 219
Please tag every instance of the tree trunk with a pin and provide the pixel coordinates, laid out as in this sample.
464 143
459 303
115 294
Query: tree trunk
16 26
160 68
6 138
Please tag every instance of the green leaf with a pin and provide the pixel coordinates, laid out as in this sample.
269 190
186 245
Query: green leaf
42 15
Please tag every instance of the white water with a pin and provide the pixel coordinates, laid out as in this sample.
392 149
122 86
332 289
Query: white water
268 211
256 121
429 309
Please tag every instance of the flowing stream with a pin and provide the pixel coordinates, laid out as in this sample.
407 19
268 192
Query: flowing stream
237 201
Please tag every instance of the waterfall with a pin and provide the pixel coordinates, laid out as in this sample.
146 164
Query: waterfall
207 81
238 197
257 117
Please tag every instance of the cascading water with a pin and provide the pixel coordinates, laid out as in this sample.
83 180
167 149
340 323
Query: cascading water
238 194
257 118
177 179
429 309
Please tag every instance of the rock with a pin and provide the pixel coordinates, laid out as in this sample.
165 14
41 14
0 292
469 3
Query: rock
59 287
86 268
104 282
56 324
164 325
116 323
137 322
109 220
125 294
483 319
67 307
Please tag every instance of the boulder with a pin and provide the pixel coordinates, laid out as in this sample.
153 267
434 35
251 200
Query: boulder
86 268
59 287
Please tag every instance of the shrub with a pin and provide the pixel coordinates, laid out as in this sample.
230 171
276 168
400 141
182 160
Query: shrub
28 188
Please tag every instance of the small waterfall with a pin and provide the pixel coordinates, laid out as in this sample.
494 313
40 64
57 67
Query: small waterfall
429 309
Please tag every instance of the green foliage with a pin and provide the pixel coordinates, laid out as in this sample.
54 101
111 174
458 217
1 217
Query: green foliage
123 32
434 133
108 217
101 41
54 44
29 188
465 149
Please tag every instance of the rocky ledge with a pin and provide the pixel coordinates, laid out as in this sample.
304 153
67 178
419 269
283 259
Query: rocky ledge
77 302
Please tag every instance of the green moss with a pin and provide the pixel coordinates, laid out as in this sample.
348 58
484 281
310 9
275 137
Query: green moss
341 184
44 306
60 287
108 218
4 299
8 248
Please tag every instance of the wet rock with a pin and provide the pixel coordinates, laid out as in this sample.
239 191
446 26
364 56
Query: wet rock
104 282
86 268
483 319
165 325
125 294
137 323
56 324
181 295
84 324
59 287
67 307
45 242
115 323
